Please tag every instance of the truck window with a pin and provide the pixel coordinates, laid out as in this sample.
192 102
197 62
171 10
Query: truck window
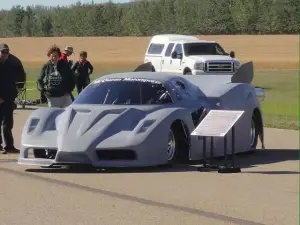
169 49
156 49
203 49
219 49
178 49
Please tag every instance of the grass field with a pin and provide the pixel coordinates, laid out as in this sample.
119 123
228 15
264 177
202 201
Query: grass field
275 59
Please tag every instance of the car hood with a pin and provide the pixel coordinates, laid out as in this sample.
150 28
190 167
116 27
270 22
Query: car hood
80 128
86 128
203 58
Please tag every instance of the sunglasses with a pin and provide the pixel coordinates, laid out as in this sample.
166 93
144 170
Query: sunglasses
5 52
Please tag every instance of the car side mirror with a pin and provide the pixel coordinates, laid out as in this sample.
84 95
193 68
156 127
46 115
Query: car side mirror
174 55
232 54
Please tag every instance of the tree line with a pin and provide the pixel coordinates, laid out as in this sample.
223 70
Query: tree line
150 17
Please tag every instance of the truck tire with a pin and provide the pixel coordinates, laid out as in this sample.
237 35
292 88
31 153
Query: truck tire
187 71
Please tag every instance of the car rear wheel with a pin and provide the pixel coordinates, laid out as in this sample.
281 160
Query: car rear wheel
253 133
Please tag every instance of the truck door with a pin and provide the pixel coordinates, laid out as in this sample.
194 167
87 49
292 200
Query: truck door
166 59
176 59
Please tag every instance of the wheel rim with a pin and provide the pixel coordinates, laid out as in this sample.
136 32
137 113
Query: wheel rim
171 145
252 133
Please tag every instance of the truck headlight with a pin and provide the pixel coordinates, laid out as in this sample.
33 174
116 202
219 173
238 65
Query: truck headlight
236 65
199 66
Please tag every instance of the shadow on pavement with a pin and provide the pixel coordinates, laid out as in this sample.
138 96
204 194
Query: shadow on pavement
87 169
268 156
243 160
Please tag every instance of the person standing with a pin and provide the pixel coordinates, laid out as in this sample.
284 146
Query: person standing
56 80
68 51
82 69
12 79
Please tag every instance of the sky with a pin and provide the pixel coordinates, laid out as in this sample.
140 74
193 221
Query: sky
8 4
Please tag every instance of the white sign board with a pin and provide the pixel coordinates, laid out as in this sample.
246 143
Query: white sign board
217 123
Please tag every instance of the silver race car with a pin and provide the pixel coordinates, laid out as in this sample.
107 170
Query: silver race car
141 118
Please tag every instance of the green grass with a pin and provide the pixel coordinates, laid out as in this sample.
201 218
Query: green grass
280 108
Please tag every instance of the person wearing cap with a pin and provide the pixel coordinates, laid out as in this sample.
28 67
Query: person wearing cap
68 51
12 78
66 54
56 80
82 69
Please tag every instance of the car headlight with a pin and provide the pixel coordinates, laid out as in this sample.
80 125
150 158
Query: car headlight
199 66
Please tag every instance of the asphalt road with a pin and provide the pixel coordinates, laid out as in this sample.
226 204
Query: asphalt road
266 192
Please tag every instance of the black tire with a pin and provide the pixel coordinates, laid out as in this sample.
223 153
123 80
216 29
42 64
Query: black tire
180 155
254 127
187 71
174 132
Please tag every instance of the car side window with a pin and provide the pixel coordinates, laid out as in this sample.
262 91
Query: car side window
169 49
172 86
180 85
183 89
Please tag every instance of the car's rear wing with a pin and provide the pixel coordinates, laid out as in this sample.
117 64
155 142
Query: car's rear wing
244 74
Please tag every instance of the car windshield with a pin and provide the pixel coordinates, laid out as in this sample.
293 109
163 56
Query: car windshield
124 91
203 49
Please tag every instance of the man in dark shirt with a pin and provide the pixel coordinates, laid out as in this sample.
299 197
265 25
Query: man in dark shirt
82 69
12 78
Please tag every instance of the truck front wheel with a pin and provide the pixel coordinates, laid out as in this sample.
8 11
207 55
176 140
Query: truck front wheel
187 71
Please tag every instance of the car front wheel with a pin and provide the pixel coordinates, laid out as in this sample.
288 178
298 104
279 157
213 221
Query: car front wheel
171 151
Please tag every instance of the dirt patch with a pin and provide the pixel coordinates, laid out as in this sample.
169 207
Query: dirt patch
267 51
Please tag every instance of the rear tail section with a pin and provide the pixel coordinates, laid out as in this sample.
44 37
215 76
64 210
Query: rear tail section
244 74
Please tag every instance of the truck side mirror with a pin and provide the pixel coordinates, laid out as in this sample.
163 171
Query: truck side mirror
232 54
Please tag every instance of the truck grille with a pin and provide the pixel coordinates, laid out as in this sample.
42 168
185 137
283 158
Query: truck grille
219 67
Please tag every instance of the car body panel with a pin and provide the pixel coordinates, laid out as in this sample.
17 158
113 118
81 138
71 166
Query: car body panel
99 134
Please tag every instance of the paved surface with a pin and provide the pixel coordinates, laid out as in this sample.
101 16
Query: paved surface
266 192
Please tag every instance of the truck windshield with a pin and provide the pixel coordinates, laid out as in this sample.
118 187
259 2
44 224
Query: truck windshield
124 91
203 49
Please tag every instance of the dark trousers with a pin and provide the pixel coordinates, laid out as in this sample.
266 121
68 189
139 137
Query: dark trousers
81 84
72 97
7 122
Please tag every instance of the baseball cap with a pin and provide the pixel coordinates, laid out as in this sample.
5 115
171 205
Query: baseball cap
69 49
3 46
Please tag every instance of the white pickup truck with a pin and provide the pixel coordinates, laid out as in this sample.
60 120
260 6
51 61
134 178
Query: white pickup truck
189 55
